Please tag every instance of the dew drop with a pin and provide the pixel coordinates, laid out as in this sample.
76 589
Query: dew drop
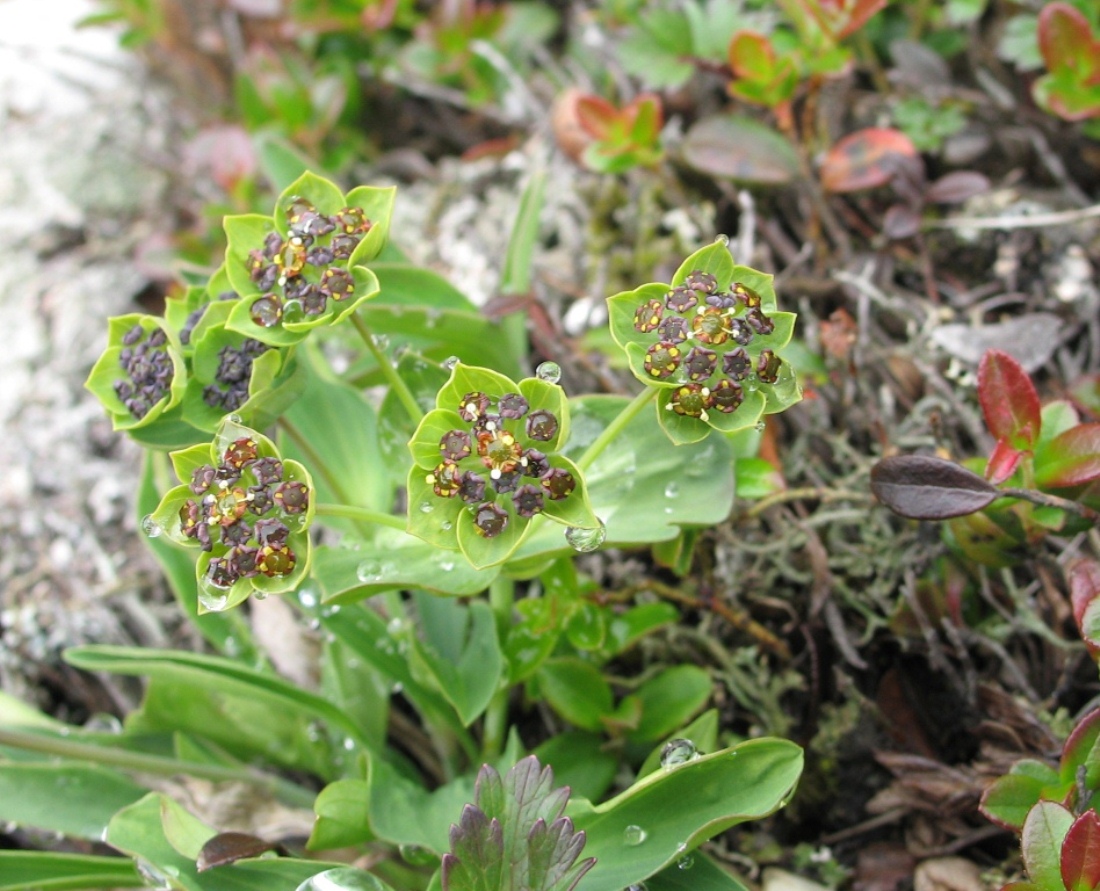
672 489
446 565
151 527
637 886
152 875
586 540
349 743
369 571
446 525
549 372
678 751
292 311
722 239
759 427
340 878
381 341
307 598
212 600
426 507
685 862
450 362
633 835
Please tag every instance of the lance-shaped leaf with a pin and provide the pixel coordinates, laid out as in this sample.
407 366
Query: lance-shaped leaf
1009 401
925 488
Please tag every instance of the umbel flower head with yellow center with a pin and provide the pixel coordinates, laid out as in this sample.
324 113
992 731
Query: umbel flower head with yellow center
710 341
486 466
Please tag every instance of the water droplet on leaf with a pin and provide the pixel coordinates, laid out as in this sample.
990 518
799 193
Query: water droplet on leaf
549 372
426 507
633 835
369 571
151 527
678 751
685 862
722 239
586 540
450 362
341 878
672 489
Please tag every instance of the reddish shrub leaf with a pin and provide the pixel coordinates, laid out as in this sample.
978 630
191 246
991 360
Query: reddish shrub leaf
866 159
751 55
1071 458
956 187
900 221
924 488
595 114
1002 463
1081 853
1079 745
1009 401
1084 586
740 148
1065 38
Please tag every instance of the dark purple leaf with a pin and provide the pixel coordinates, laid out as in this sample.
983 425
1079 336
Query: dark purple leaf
900 221
925 488
229 847
956 187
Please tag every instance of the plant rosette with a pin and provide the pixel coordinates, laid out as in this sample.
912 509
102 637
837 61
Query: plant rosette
486 464
246 508
301 268
141 375
710 343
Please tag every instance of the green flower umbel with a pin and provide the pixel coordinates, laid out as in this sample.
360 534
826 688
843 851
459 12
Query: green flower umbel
711 342
486 465
303 267
246 508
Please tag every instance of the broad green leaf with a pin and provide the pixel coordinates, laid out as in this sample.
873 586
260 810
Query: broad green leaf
671 699
1008 800
699 873
343 811
626 628
71 799
461 652
377 206
280 161
356 688
322 194
580 761
703 733
576 690
671 812
49 871
1041 841
244 233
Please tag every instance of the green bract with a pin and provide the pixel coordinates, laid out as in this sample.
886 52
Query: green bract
141 374
486 465
246 508
710 341
302 268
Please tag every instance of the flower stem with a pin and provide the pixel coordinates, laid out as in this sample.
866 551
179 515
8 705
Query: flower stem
616 427
395 380
502 597
140 762
360 514
316 462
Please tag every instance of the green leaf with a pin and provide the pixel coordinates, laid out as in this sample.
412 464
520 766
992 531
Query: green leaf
1010 797
320 192
244 233
461 652
699 873
343 810
1041 842
377 206
580 761
48 871
71 799
702 732
280 161
576 690
669 700
1070 459
669 813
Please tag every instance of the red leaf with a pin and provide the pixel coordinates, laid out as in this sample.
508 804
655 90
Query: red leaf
751 55
866 159
1009 401
1002 463
1071 458
595 114
1081 853
1079 745
1084 593
925 488
1064 36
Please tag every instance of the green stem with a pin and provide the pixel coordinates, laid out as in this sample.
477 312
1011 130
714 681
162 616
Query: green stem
361 514
395 380
313 458
616 427
502 598
29 741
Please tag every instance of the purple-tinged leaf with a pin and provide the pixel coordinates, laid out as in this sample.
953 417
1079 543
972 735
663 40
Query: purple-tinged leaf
741 149
1081 853
925 488
956 187
1041 841
1009 401
900 221
1084 597
1070 459
1079 746
1002 462
1065 39
866 159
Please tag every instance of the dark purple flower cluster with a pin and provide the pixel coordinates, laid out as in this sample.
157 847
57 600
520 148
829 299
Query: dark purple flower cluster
230 388
238 514
309 266
702 333
148 370
495 443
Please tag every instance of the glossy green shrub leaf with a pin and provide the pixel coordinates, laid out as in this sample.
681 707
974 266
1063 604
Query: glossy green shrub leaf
71 799
1070 459
1009 799
576 690
669 700
1041 840
41 870
672 811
